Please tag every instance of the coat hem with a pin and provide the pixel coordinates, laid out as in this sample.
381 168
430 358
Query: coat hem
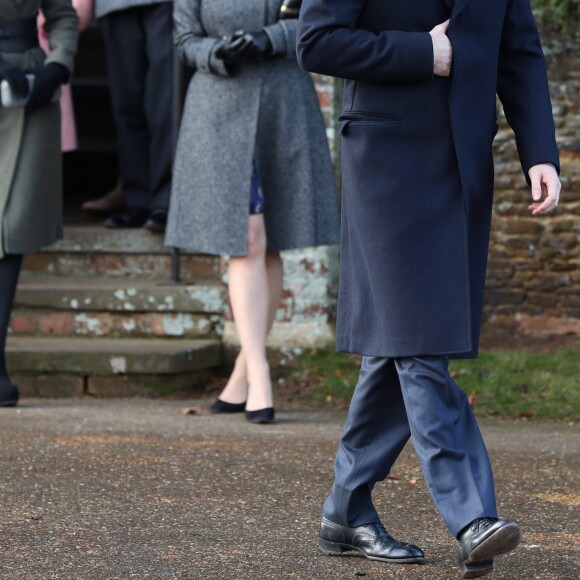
344 344
172 243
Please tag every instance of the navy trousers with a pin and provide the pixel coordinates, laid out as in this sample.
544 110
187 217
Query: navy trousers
393 400
139 48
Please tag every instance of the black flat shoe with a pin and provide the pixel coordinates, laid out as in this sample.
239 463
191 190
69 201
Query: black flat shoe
371 540
484 539
131 218
156 222
220 406
262 416
8 395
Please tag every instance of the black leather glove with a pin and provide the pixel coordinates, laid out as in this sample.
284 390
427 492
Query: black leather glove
246 46
47 79
15 77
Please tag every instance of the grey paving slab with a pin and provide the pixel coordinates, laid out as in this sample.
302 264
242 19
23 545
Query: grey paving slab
101 489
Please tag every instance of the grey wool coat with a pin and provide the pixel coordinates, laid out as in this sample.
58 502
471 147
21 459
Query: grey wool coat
267 112
30 157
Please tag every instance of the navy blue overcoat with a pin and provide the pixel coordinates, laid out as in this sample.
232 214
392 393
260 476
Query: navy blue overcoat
417 159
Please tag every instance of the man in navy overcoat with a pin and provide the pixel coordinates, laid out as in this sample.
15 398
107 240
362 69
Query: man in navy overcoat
419 118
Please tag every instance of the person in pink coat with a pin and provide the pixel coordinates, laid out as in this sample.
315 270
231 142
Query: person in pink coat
84 9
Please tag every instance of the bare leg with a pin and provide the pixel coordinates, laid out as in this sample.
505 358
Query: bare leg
250 299
236 390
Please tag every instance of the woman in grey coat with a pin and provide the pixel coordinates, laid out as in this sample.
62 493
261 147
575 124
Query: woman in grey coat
30 160
252 131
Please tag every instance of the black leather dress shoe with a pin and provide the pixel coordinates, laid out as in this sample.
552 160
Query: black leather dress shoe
220 406
262 416
8 394
484 539
131 218
371 540
156 222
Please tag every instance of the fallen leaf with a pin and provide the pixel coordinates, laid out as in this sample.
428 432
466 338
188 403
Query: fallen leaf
472 399
190 411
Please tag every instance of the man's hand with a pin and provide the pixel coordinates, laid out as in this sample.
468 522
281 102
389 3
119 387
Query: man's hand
442 50
545 184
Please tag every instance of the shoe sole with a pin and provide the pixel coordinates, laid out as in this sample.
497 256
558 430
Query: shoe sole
335 549
502 541
9 403
476 569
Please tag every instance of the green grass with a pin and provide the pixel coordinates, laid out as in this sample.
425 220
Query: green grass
507 383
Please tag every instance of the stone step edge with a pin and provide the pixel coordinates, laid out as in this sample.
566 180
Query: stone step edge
123 296
98 239
103 356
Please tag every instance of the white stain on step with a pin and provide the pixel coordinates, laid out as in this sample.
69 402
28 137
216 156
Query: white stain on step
86 325
129 325
177 325
118 365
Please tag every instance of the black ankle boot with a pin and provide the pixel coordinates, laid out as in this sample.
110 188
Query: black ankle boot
8 394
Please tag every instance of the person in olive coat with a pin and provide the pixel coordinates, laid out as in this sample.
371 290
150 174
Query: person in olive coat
417 129
252 174
30 160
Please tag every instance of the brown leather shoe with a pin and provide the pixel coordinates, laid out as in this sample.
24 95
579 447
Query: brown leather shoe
110 203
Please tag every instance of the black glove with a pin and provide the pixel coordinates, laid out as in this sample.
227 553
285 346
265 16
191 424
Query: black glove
243 46
47 79
15 78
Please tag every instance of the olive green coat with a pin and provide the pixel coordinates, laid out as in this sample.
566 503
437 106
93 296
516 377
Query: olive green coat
30 158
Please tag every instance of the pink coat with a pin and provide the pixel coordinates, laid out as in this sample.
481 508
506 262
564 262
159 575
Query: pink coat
84 10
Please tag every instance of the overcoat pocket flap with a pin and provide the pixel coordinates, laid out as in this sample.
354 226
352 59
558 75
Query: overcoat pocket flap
363 117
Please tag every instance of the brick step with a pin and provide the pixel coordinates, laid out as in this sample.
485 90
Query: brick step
27 322
112 307
95 250
106 367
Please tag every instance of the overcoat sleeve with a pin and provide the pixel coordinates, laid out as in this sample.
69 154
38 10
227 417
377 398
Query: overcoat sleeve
329 43
522 87
282 35
193 45
61 26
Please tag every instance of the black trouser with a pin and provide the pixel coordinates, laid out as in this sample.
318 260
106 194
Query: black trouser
139 47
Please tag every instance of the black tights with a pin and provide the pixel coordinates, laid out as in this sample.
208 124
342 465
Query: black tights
9 271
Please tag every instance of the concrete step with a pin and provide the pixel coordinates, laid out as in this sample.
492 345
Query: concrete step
113 307
98 239
95 250
119 295
109 357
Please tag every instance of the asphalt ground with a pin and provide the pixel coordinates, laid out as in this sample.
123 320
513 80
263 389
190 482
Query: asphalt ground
115 489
